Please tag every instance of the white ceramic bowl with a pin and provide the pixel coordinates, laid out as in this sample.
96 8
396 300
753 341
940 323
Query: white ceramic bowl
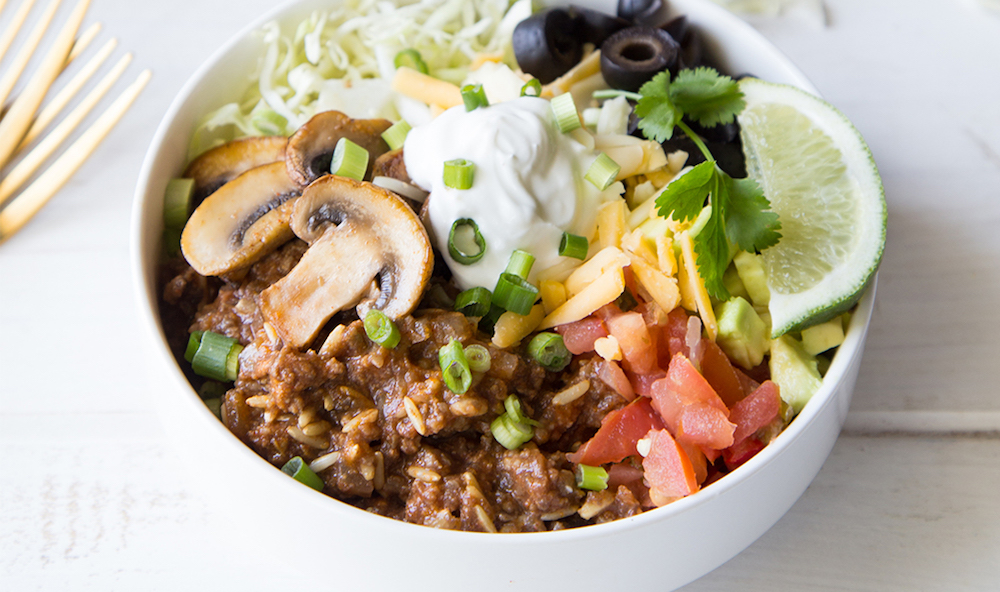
664 548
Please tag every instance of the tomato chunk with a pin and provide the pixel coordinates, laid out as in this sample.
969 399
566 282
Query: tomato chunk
613 376
721 374
740 453
758 409
672 336
703 425
579 336
683 386
638 348
618 434
668 470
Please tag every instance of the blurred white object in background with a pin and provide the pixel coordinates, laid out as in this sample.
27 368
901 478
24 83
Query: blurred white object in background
811 11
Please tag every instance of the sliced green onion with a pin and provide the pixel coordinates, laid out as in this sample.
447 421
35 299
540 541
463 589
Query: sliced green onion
349 160
194 340
459 173
510 434
532 85
474 97
549 350
591 478
520 263
514 293
396 134
611 93
574 245
380 328
171 242
564 111
177 203
602 172
474 302
455 367
268 121
217 357
513 407
465 256
487 322
478 357
297 469
411 59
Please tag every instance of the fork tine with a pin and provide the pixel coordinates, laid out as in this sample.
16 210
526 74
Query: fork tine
83 41
21 113
17 213
11 76
15 25
48 113
34 159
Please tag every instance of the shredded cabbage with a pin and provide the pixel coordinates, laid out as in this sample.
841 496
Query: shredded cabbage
316 66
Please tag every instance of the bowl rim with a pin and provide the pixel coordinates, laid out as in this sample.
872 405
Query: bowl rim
144 287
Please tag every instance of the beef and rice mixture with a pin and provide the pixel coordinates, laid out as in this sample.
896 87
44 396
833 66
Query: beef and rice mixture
390 437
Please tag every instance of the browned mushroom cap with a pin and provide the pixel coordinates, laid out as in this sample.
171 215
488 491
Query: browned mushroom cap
310 148
392 165
368 249
244 220
220 165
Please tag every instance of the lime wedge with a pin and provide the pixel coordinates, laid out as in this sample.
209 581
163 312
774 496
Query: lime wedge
820 177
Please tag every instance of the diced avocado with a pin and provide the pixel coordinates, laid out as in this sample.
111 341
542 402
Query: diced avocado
795 372
819 338
734 285
742 333
751 270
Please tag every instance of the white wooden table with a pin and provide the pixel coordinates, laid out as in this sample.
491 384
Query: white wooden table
907 501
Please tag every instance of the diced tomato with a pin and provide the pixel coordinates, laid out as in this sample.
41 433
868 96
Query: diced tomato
667 468
634 339
579 336
672 336
623 474
613 376
760 372
654 316
721 374
699 462
711 454
758 409
607 311
703 425
748 384
620 430
740 453
683 386
642 384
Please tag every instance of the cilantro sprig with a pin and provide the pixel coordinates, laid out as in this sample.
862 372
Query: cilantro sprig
740 213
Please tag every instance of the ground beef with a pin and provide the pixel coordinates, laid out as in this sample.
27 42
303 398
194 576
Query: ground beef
390 437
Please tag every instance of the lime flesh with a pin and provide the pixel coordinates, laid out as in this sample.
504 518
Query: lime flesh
821 179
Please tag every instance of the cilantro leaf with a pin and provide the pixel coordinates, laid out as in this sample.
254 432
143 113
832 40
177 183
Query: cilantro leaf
684 197
705 96
749 221
657 112
712 246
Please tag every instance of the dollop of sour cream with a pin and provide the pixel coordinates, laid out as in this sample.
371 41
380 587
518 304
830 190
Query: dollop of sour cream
528 186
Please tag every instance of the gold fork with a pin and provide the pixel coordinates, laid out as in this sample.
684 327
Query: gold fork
23 123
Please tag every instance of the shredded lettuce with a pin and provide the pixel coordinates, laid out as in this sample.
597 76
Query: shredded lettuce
315 67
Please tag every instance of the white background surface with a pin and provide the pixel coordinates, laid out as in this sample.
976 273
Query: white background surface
908 500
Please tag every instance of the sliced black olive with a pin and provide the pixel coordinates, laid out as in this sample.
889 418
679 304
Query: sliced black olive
547 44
677 27
632 56
595 26
725 132
640 11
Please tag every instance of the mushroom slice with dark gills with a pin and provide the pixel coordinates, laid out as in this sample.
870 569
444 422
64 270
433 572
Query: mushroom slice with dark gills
310 148
367 249
241 222
220 165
